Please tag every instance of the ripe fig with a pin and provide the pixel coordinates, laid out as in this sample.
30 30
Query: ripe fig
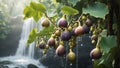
45 22
96 53
51 42
73 32
60 51
88 22
86 29
66 35
79 30
71 56
62 22
42 45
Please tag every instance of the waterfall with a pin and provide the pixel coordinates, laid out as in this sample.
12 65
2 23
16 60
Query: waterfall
24 56
23 49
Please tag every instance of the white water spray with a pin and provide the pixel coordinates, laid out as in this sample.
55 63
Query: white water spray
22 46
24 54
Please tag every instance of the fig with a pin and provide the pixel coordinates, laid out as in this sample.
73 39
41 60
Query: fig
57 33
84 17
88 22
71 56
42 45
44 51
96 53
72 44
94 37
51 42
47 46
45 22
60 51
69 28
66 35
73 32
94 42
56 45
86 29
75 24
92 28
62 22
79 31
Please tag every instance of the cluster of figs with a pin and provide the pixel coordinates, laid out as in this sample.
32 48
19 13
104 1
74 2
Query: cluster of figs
66 32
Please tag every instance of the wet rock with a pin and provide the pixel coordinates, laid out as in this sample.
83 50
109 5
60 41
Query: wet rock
5 62
32 66
2 66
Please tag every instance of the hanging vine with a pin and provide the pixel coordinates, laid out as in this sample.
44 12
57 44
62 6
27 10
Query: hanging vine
74 19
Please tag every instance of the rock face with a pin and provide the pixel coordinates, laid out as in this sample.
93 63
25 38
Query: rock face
31 66
9 45
83 59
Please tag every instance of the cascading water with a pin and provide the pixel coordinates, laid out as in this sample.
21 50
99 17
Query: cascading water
25 54
22 49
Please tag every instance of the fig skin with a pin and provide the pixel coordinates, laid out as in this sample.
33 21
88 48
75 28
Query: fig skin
73 32
86 29
45 23
57 33
96 53
42 45
51 42
62 23
79 31
84 17
66 35
70 28
88 22
94 37
71 56
60 51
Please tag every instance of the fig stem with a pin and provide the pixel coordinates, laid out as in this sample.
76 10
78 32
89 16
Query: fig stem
98 41
79 19
37 41
50 19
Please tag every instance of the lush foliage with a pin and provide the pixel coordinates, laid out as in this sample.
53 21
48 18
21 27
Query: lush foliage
4 25
75 12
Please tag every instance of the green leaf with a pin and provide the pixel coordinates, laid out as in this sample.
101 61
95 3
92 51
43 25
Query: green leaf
69 10
107 43
96 64
38 7
35 10
37 16
28 12
97 10
32 36
46 31
106 60
58 1
73 2
103 33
